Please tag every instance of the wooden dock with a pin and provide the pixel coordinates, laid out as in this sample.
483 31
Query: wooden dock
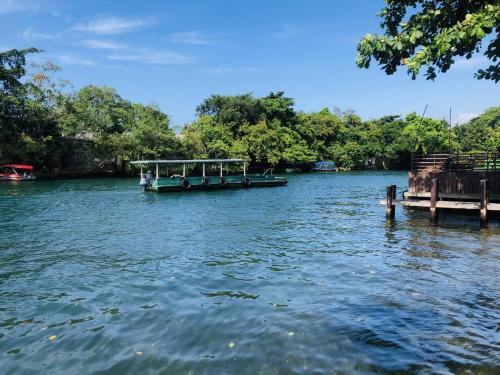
450 182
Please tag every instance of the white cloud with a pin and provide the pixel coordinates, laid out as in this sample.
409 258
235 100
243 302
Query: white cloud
473 62
112 25
29 34
122 52
74 60
12 6
192 37
462 118
103 44
151 57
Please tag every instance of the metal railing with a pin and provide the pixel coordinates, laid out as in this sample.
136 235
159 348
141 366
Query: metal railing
270 170
472 162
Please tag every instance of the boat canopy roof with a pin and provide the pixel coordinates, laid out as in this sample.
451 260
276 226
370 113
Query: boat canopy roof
17 166
325 163
193 161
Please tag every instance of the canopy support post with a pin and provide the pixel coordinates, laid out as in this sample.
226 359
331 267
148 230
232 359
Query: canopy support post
157 170
245 169
203 170
220 170
184 170
142 175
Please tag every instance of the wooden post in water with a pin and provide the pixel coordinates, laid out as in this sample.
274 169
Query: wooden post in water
483 210
393 192
434 198
390 208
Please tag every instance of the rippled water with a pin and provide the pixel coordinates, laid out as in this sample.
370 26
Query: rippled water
96 277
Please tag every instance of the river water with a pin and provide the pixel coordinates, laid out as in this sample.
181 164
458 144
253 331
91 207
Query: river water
96 277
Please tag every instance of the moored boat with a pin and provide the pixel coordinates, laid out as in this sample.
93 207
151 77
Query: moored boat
16 172
205 181
324 166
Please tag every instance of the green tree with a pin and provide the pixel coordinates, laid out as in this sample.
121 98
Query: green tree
150 136
421 33
262 141
278 107
13 97
481 133
490 117
208 138
320 130
391 128
13 68
96 111
369 137
232 111
29 110
294 148
425 135
259 129
349 155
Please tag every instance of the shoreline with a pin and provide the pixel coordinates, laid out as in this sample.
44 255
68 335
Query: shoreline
124 176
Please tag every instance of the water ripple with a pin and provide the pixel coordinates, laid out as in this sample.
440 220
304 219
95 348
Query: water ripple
309 278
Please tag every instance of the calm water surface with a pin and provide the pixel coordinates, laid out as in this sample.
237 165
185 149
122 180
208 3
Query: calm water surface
96 277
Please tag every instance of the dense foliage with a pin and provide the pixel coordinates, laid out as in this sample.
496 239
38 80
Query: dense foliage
38 116
422 33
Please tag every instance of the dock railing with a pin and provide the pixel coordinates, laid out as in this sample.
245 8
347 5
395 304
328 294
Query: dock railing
470 162
459 174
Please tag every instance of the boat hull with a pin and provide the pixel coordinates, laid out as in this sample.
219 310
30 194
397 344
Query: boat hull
176 184
13 177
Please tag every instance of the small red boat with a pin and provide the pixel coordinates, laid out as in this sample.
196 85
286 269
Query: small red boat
16 172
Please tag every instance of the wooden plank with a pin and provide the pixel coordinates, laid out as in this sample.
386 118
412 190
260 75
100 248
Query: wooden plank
493 206
452 182
472 197
442 204
422 203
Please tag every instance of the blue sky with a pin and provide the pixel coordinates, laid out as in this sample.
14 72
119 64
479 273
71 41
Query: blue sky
176 53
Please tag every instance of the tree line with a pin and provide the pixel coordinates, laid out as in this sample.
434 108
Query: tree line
38 115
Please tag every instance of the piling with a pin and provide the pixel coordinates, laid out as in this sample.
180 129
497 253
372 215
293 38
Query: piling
434 198
390 209
484 189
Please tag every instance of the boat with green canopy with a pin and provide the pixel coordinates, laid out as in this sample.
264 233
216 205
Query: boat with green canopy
215 174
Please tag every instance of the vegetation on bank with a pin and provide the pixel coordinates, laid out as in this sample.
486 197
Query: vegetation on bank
38 117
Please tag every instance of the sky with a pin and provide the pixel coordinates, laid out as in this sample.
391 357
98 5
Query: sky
177 53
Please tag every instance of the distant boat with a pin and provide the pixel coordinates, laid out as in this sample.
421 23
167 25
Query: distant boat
324 166
16 172
221 180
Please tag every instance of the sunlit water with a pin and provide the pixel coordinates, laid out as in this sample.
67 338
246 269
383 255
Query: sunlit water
96 277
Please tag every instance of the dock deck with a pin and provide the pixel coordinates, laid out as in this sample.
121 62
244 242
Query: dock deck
467 182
